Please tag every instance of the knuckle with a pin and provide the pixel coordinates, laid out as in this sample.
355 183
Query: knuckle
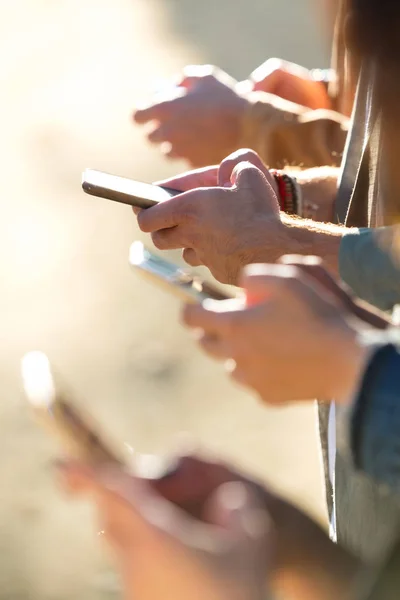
247 153
232 324
159 240
142 220
188 315
275 64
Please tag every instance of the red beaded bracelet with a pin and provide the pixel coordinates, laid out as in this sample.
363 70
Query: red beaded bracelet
289 199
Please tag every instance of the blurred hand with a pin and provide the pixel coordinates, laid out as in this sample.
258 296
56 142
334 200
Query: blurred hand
203 528
290 82
293 340
163 552
202 122
312 266
219 227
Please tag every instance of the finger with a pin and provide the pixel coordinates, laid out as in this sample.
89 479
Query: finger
214 346
190 256
173 238
237 374
205 177
121 500
240 511
179 210
213 316
160 111
170 151
267 75
75 479
263 282
192 74
163 133
192 481
247 176
244 155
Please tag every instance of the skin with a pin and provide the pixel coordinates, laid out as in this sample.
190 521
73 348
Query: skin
228 227
291 82
289 320
202 119
318 185
203 530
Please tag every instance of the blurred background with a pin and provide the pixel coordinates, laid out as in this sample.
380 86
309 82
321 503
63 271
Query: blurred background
71 73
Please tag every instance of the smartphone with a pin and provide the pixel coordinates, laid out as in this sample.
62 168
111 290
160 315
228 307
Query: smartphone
126 191
180 282
56 412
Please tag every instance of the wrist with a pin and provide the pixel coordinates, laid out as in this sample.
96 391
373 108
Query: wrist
310 238
288 193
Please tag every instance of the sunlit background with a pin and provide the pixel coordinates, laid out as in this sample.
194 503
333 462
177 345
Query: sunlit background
71 73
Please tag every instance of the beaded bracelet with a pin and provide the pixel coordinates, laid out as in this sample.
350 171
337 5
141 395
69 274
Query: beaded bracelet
289 193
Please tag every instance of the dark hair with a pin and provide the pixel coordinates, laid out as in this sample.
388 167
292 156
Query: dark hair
374 35
376 29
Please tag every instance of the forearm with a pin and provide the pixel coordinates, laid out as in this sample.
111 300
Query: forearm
375 416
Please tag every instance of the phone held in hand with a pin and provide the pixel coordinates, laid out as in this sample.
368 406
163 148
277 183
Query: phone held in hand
123 190
172 278
56 412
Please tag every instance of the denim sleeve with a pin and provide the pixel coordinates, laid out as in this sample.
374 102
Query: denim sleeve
375 419
368 270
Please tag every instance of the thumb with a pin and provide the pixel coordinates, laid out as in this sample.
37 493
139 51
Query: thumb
193 73
240 511
246 176
263 282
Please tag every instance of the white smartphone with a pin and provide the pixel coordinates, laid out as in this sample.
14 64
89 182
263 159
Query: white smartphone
55 411
172 278
126 191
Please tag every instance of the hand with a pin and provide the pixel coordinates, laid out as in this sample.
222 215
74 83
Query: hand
217 175
202 122
293 340
290 82
312 266
163 552
221 228
158 528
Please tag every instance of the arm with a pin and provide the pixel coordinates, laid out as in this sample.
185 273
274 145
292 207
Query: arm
370 427
306 237
284 133
367 265
318 191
